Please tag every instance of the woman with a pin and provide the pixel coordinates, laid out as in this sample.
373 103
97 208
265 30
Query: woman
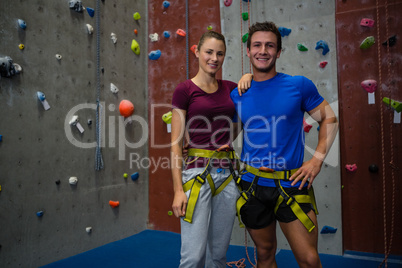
202 108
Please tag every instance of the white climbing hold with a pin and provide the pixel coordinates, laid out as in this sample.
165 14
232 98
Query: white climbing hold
90 29
58 56
88 230
113 37
73 180
113 88
154 37
74 122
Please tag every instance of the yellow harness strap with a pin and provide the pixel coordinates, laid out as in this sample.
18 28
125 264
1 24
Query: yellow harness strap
292 201
196 183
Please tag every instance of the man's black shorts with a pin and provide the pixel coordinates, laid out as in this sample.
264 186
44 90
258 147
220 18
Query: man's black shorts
258 211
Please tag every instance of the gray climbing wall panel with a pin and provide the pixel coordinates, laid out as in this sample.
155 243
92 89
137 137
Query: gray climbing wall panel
310 21
38 146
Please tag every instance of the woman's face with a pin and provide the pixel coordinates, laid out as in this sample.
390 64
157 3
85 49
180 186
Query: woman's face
211 55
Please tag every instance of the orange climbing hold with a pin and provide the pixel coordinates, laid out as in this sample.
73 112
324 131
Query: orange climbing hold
126 108
181 32
135 31
114 204
193 48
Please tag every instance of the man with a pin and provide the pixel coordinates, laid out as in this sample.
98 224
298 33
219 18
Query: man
277 184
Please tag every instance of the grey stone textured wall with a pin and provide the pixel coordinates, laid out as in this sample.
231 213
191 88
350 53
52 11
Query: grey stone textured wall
309 21
39 147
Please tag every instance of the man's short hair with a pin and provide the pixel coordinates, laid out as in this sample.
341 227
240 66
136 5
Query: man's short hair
267 26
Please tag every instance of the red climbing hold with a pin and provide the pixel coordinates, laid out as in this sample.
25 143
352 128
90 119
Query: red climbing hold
367 22
323 64
227 2
351 168
126 108
369 85
181 32
193 48
114 204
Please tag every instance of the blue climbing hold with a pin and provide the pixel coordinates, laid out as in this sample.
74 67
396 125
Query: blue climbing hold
324 45
39 214
284 31
328 230
22 24
91 11
41 96
135 176
155 54
166 34
246 0
166 4
1 137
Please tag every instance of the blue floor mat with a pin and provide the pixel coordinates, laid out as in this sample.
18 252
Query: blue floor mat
155 249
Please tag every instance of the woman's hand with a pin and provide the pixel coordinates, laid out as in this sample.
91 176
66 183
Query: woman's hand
244 83
179 204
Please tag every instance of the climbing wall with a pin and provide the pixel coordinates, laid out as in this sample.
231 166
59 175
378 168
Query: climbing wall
308 24
44 218
370 139
164 74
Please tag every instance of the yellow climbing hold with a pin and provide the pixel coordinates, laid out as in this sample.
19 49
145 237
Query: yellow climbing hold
167 117
135 47
137 16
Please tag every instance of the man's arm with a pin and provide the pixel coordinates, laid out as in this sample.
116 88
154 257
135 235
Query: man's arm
328 123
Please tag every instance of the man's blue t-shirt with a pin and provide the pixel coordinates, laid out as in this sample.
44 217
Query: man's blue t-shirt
272 114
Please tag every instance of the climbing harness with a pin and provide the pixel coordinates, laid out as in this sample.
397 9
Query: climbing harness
387 247
291 201
98 154
195 184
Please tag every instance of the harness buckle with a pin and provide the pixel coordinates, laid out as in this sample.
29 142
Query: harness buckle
200 179
290 201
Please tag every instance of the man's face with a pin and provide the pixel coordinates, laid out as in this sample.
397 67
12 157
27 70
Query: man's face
263 51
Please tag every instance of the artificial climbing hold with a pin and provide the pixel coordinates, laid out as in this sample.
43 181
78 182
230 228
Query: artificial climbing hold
135 176
74 122
114 204
137 16
373 168
91 11
323 64
328 230
126 108
166 34
135 47
135 31
193 48
58 56
301 47
244 15
113 37
284 31
227 2
22 24
88 230
166 4
8 68
367 22
181 32
170 213
113 88
1 137
209 28
306 126
167 118
324 45
367 42
369 85
73 180
155 54
90 29
21 46
42 99
154 37
391 41
57 182
351 168
125 175
395 105
89 122
244 38
39 214
76 5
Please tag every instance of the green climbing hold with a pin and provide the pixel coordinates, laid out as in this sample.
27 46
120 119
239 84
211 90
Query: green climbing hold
170 213
396 105
137 16
301 47
244 16
135 47
209 28
244 38
167 117
368 42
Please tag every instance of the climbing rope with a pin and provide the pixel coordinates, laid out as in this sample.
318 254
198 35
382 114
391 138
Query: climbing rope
387 246
255 253
98 154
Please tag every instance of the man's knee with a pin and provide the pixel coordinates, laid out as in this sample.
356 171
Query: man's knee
311 259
